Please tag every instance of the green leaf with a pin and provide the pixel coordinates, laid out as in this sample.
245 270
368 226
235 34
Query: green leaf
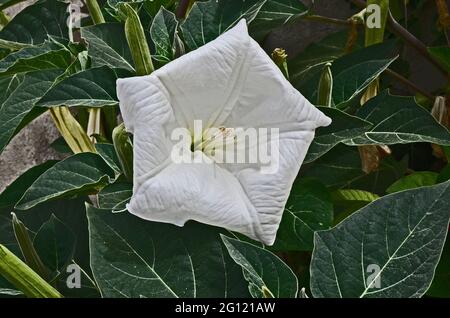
55 244
351 82
48 55
21 102
35 23
308 209
108 153
440 286
73 214
354 196
352 72
163 34
94 87
12 194
114 194
207 20
77 175
387 249
343 127
442 55
266 274
8 85
341 168
131 257
347 201
414 180
398 120
29 253
275 13
108 46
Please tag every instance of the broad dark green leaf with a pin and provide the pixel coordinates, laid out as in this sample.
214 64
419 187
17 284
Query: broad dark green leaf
388 249
352 72
163 34
20 102
94 87
48 55
442 55
398 120
12 194
153 6
108 153
71 212
35 23
79 174
351 82
343 127
308 209
266 274
440 286
114 194
55 245
131 257
107 45
207 20
341 168
348 201
275 13
414 180
8 85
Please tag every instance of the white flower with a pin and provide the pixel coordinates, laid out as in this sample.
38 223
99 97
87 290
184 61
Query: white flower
229 82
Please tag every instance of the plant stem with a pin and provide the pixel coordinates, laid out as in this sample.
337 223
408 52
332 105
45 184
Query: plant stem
95 11
409 38
10 4
411 85
319 18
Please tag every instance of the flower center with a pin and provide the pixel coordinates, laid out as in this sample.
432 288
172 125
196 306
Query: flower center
215 139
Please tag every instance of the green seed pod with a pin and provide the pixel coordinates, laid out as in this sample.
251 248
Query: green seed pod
136 40
124 150
26 246
23 277
95 11
325 91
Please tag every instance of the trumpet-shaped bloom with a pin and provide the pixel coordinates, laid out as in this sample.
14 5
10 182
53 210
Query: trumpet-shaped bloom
229 83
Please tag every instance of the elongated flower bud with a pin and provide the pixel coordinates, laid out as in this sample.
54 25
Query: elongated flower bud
325 91
444 16
26 246
124 150
72 132
23 277
136 40
279 56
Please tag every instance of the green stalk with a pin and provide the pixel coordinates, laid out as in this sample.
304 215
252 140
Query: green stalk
95 11
26 246
136 40
23 277
124 150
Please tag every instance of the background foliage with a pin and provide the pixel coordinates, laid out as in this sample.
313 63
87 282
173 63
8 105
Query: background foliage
374 188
